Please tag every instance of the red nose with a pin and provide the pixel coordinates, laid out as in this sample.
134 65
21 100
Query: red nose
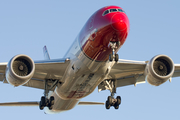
120 22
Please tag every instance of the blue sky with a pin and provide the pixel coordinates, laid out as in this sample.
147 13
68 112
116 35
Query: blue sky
26 26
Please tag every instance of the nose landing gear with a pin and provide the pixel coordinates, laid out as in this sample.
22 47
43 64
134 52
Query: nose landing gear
114 56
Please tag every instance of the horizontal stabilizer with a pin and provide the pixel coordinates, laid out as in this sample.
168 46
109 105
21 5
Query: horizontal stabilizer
20 104
90 103
37 103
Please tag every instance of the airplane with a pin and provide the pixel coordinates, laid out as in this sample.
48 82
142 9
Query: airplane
91 61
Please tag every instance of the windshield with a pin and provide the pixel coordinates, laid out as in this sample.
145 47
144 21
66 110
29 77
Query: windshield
112 10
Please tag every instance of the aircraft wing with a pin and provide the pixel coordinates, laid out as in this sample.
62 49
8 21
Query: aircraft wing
46 69
125 72
129 72
177 70
2 70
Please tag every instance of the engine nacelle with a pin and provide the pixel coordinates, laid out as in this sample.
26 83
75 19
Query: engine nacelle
20 70
159 69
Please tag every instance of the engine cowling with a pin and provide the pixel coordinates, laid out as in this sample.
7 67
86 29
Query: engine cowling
20 70
159 69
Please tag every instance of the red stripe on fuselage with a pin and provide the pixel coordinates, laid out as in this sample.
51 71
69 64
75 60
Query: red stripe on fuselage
100 30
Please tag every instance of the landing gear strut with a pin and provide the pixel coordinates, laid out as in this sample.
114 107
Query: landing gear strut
45 102
114 56
111 101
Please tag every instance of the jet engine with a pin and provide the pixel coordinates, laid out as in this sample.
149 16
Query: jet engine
159 69
20 70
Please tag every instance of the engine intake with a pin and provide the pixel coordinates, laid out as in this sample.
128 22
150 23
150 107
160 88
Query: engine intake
159 70
20 70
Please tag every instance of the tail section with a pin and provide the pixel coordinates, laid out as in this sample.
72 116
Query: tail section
46 54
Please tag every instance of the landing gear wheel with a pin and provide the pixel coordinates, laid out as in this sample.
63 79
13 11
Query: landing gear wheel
107 105
116 106
118 100
41 107
46 103
111 57
109 100
51 103
50 107
42 103
116 57
52 100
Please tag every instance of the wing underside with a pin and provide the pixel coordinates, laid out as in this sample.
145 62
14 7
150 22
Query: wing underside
129 72
47 69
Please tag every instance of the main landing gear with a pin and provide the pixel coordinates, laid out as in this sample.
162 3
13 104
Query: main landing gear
114 56
45 102
111 101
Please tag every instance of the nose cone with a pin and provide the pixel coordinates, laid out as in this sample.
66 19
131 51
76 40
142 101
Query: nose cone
120 22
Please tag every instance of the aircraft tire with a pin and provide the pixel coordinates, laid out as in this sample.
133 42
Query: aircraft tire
116 57
41 107
43 101
50 107
107 105
109 100
118 100
52 100
111 57
116 106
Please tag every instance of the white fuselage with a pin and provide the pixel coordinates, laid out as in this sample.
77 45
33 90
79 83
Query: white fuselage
89 56
81 78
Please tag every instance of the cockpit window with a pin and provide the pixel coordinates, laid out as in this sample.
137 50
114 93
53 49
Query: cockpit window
120 10
112 10
105 12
